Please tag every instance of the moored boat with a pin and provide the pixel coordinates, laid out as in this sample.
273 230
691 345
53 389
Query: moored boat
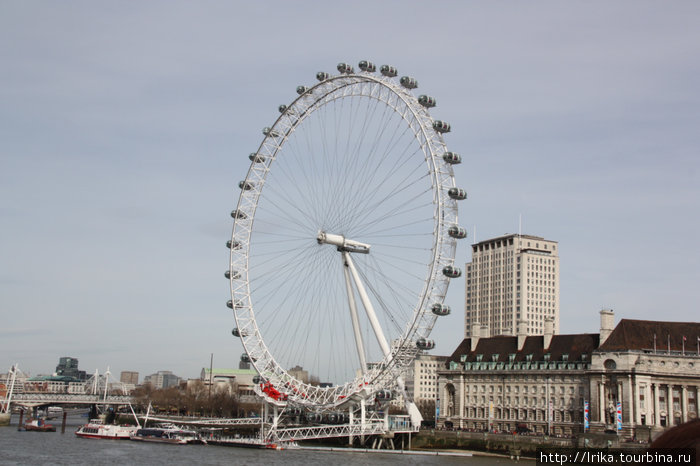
242 442
97 429
167 434
37 425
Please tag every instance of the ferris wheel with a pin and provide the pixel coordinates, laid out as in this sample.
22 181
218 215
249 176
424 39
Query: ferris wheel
344 239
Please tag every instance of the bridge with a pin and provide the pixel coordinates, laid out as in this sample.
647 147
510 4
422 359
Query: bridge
58 399
277 434
275 427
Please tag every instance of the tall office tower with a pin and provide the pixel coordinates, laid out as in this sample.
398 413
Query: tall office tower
512 279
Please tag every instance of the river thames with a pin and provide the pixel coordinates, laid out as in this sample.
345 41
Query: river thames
21 448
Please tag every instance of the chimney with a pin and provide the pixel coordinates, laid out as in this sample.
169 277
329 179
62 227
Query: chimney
476 333
485 331
522 333
607 324
548 331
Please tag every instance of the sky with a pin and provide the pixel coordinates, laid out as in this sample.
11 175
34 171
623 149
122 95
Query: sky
125 128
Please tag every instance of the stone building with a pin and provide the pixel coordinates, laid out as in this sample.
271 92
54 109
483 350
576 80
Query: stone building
542 383
652 368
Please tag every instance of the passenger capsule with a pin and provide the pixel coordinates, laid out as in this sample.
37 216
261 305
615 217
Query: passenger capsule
267 131
235 275
245 358
257 380
427 101
409 82
441 309
452 158
302 89
336 418
424 344
388 70
367 66
282 108
322 76
246 185
231 304
441 126
315 417
384 395
256 158
238 214
345 68
457 193
452 272
456 231
233 244
236 332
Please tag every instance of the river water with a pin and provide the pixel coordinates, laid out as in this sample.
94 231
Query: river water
22 448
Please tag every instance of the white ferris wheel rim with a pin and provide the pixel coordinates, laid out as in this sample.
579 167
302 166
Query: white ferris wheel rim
402 102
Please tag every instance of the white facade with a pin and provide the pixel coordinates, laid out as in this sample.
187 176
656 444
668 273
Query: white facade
421 379
512 278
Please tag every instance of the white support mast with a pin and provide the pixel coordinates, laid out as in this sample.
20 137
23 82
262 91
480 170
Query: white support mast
346 246
354 317
369 309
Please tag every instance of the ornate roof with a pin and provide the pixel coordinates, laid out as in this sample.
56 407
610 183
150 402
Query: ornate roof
632 334
574 346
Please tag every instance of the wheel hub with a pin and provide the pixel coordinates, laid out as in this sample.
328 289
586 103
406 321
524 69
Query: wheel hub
342 243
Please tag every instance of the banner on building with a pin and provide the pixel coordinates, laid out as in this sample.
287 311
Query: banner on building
619 416
586 416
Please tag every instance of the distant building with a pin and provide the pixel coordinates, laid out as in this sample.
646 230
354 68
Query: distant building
68 367
511 278
52 384
421 377
299 373
240 380
129 377
162 379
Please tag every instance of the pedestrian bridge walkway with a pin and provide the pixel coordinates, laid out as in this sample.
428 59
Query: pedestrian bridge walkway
58 399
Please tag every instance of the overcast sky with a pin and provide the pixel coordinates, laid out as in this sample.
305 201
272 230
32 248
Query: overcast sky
125 128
